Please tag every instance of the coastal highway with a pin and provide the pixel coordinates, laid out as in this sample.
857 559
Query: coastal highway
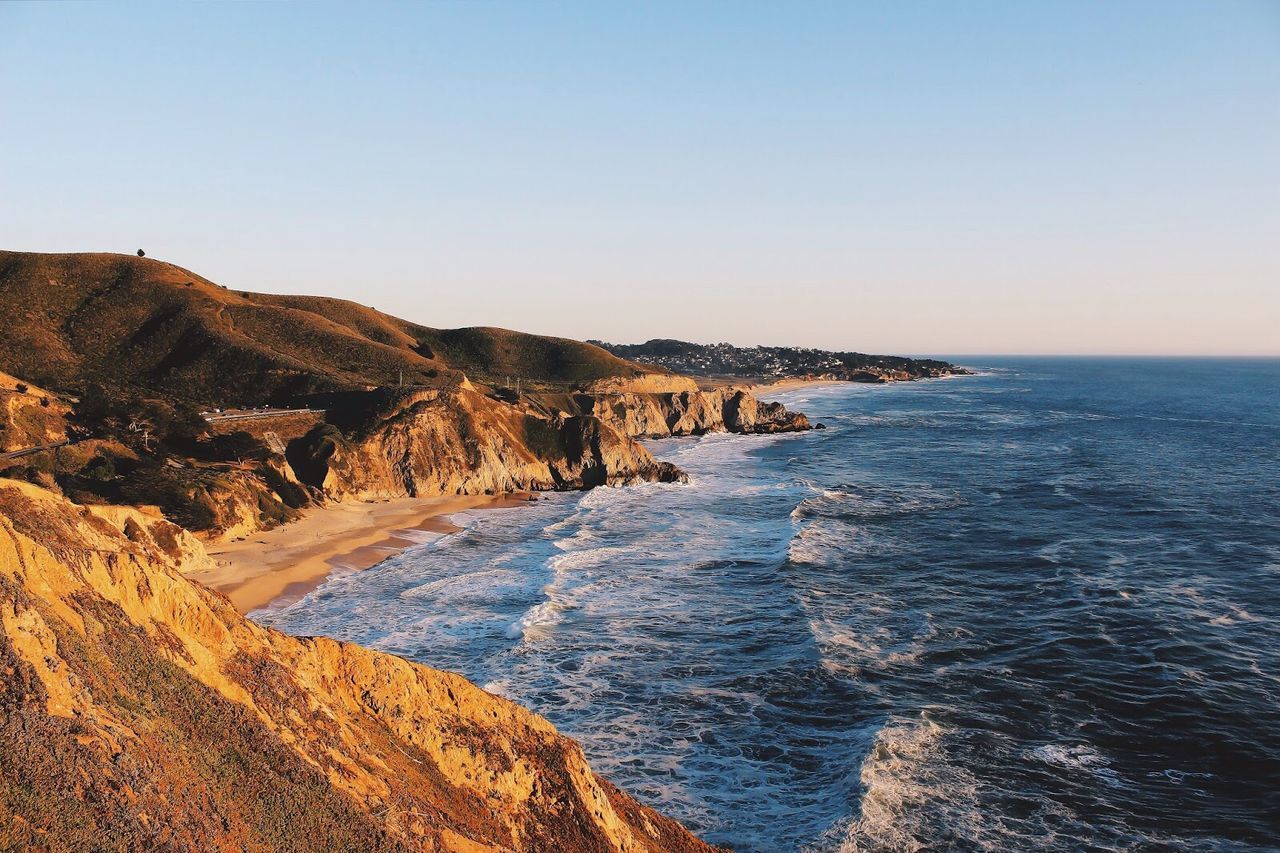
27 451
253 414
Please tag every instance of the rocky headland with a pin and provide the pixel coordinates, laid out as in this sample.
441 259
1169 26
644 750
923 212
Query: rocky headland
764 364
673 407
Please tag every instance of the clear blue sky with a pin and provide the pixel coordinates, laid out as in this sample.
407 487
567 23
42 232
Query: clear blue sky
949 177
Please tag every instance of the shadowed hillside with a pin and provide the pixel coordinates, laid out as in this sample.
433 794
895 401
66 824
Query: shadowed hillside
73 319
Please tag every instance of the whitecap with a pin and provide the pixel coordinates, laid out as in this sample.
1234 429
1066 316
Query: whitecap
1076 756
536 621
905 777
587 558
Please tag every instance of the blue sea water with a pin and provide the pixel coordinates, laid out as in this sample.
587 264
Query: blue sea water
1035 608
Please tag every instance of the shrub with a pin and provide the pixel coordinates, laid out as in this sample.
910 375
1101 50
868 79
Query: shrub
100 469
239 446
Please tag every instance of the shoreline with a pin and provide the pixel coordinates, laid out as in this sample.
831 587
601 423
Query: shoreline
285 563
279 566
793 385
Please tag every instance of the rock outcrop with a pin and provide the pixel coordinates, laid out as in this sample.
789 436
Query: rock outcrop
688 412
458 441
138 710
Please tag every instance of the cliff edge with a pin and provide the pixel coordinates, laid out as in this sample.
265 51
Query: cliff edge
138 710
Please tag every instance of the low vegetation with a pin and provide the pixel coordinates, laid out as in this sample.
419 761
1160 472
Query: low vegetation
155 328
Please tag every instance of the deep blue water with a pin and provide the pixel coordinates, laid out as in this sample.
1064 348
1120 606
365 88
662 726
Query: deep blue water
1037 608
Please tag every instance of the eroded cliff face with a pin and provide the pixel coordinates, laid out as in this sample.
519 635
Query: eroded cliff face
459 441
138 710
650 414
455 439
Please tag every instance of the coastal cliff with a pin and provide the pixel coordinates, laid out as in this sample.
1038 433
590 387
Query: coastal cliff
370 445
139 710
136 355
459 441
663 414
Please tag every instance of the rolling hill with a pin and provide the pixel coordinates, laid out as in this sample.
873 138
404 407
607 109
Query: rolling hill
120 320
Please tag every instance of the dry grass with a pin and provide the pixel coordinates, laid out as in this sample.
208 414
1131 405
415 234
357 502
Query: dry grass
118 319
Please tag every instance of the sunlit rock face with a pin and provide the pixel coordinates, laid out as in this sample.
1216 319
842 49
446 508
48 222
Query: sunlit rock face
140 710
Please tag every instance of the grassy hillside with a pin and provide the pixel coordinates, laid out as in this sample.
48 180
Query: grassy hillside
75 319
29 415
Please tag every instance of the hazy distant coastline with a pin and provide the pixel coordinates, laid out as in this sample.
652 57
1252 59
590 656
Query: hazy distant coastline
763 365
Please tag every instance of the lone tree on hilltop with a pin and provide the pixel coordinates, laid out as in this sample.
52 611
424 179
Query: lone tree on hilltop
141 254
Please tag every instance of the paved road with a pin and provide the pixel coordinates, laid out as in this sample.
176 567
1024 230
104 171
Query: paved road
27 451
250 414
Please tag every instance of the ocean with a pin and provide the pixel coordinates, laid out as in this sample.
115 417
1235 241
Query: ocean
1034 608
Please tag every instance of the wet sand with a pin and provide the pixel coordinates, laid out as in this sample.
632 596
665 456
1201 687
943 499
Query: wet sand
284 564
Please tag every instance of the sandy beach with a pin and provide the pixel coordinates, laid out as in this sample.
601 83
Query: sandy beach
791 385
288 562
758 386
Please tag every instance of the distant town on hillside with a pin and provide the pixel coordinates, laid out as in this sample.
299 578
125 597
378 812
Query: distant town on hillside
727 360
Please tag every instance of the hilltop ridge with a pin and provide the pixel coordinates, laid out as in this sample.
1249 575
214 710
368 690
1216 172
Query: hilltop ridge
141 323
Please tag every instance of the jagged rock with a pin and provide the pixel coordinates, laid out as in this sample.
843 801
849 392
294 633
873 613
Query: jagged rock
460 442
689 412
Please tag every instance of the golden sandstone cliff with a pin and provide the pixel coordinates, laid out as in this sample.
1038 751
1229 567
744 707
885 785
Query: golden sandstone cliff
673 407
459 441
138 710
393 443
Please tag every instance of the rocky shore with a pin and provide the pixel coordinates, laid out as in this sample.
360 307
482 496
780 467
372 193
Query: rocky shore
460 441
681 409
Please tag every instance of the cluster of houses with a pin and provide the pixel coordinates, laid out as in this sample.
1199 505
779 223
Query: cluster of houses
724 359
